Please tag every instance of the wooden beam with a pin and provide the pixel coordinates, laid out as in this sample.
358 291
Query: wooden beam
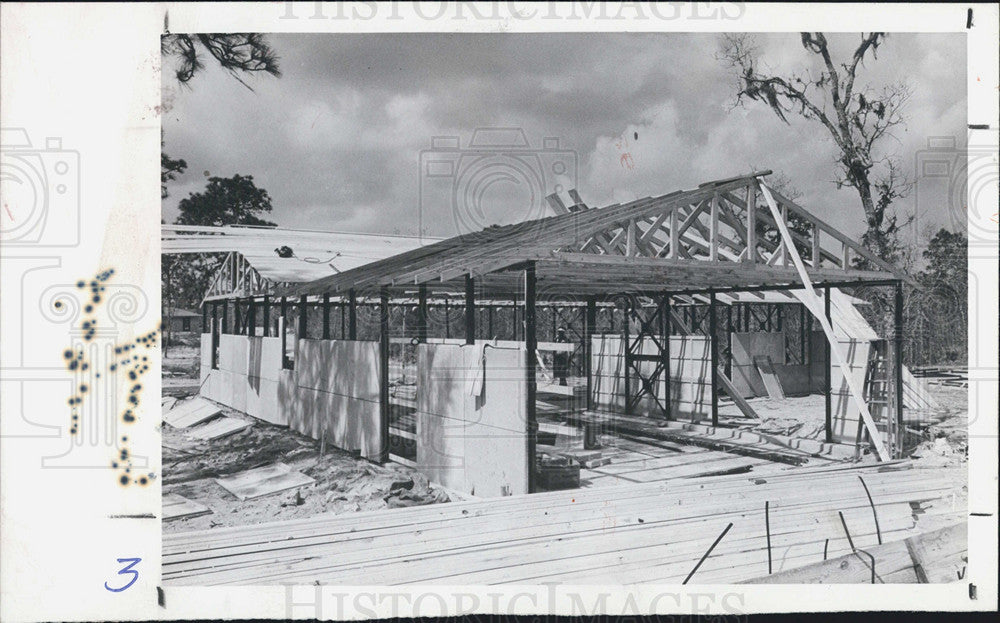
809 298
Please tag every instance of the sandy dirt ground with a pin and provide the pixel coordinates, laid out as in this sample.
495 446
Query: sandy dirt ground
343 483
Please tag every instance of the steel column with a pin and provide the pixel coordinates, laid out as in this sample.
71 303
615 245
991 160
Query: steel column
470 310
530 346
826 370
668 323
266 316
627 361
590 323
352 315
303 317
714 343
326 316
898 337
383 351
422 313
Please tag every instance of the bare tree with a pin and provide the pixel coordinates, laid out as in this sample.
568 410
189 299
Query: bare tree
235 52
859 120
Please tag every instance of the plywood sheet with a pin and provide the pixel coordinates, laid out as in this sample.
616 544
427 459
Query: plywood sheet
263 481
745 346
177 507
220 427
190 412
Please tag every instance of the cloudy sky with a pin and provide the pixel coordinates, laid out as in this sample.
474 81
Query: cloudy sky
345 139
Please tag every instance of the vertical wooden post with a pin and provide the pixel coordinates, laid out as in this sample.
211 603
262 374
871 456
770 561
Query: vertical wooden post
827 390
898 342
590 323
714 344
352 314
326 316
470 310
383 351
303 318
422 313
265 317
667 330
530 346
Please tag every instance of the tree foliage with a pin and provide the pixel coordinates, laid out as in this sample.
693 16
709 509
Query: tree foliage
226 201
237 53
858 119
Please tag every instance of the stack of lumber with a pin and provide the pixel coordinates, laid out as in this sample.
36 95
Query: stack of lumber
779 448
644 533
934 557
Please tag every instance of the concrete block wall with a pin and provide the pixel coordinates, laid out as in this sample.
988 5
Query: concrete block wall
690 377
471 418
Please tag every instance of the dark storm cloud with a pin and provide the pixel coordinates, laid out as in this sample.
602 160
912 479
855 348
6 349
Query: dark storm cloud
337 140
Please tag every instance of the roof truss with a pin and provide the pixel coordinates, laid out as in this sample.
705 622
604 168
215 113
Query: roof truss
716 235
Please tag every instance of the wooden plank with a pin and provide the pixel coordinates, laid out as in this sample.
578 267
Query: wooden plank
361 526
261 481
178 507
192 411
771 382
738 399
809 297
220 427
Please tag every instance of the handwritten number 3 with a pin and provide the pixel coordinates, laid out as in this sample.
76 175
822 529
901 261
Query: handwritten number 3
125 570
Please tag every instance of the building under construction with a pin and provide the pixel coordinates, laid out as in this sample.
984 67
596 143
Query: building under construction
542 358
